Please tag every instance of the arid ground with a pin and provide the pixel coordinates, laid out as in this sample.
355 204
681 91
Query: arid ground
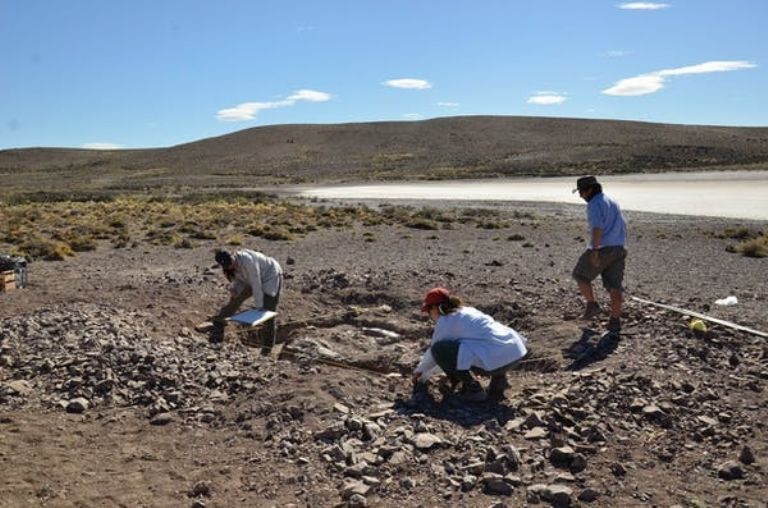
109 397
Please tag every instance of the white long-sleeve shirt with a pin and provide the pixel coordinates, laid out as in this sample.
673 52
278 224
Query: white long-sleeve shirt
261 273
483 342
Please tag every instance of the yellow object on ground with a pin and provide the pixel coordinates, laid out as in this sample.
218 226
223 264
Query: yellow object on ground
698 326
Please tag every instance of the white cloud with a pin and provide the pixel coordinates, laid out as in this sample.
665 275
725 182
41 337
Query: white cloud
413 116
546 98
654 81
309 95
643 6
103 146
249 110
448 104
416 84
714 66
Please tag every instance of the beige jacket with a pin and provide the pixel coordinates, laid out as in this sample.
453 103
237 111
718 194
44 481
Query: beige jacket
259 272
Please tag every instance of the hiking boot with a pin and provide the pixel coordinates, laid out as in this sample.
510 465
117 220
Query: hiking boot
497 386
471 391
592 309
614 325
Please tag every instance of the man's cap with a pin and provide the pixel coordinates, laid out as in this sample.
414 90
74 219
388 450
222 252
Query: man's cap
435 296
223 258
585 182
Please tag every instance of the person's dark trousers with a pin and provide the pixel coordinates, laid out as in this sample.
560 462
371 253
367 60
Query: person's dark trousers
446 354
269 331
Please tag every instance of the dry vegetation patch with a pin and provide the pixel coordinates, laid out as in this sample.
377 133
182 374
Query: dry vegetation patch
55 229
753 244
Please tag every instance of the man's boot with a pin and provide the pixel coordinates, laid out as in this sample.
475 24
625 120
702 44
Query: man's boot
591 310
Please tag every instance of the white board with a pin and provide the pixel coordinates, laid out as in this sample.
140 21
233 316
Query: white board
253 317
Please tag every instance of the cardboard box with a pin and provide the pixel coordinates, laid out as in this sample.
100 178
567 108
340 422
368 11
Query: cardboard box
7 286
9 276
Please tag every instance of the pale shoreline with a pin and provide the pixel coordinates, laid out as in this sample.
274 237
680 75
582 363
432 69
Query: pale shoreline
731 194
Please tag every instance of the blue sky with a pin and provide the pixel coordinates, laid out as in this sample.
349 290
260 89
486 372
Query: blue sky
140 73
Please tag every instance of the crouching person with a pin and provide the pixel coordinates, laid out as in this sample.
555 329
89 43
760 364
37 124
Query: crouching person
464 341
253 274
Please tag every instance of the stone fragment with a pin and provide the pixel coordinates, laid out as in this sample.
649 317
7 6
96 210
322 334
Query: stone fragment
20 387
161 419
730 470
562 456
558 495
341 408
747 456
425 441
495 484
536 433
588 495
78 405
352 487
201 489
357 501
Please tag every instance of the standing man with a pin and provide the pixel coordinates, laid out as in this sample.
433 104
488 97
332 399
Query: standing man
252 274
605 252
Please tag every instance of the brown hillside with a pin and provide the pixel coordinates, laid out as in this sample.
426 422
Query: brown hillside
454 147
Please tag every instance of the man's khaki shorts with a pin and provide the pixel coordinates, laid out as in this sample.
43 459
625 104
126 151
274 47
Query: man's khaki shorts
610 267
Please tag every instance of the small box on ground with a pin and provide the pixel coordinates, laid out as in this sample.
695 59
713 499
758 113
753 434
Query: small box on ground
7 281
15 267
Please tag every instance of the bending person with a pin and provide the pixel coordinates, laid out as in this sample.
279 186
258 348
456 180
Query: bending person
466 340
252 273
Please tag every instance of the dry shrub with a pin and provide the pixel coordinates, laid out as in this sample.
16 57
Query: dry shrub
49 250
754 248
419 223
183 243
235 240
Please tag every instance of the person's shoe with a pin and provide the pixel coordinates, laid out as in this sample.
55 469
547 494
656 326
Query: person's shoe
421 394
498 386
471 391
592 309
614 325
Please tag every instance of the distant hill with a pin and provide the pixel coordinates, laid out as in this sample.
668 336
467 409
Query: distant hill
443 148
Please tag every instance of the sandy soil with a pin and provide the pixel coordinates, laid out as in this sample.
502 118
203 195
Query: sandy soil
655 419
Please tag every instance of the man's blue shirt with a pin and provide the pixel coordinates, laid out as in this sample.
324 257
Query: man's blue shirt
604 213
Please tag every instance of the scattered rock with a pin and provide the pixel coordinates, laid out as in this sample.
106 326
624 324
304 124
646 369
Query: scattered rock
588 495
425 441
161 419
747 456
495 484
78 405
730 470
201 489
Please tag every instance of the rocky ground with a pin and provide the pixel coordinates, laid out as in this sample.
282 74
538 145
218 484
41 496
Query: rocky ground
109 397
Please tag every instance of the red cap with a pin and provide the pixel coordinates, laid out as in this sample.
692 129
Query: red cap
435 296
